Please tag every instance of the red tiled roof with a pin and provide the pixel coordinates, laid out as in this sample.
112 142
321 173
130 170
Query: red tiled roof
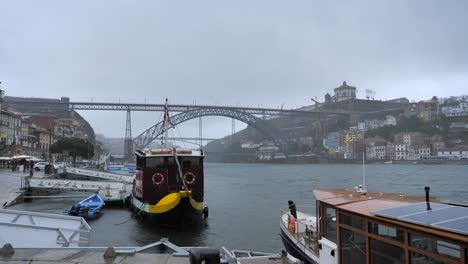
47 122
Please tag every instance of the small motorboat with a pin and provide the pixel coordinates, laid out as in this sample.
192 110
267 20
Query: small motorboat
89 208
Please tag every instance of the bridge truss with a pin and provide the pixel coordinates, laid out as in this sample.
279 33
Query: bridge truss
151 134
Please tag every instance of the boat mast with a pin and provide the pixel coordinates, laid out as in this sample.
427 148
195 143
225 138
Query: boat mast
364 187
165 127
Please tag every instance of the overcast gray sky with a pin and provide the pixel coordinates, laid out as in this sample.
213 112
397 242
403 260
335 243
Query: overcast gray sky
250 53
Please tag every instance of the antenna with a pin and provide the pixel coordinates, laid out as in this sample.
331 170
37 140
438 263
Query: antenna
362 187
370 94
364 171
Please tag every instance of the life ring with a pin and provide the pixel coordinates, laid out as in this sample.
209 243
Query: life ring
189 178
158 179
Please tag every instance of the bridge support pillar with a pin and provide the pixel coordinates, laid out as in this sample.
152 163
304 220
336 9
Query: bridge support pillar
128 143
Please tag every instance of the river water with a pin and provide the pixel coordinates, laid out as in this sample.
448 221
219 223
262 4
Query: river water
244 201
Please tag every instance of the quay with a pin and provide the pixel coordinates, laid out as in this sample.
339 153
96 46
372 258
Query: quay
162 252
11 182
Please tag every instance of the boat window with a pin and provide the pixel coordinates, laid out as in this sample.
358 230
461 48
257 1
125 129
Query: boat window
159 162
353 220
353 247
416 258
381 252
436 246
330 223
190 162
387 232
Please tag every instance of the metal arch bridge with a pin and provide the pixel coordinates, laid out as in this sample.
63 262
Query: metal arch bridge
145 138
184 108
64 105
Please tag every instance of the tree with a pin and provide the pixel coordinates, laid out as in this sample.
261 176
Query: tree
74 146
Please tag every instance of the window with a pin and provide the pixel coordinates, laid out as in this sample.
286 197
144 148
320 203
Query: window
386 231
330 223
384 253
353 247
436 246
353 220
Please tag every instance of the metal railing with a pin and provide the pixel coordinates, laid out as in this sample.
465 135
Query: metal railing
304 233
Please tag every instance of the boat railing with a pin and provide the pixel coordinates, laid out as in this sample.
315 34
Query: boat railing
305 230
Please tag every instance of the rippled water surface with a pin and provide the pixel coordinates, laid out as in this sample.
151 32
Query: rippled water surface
244 201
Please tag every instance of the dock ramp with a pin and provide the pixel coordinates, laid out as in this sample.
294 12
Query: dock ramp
99 174
32 230
109 191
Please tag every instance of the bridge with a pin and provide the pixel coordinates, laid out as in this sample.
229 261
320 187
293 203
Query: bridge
253 116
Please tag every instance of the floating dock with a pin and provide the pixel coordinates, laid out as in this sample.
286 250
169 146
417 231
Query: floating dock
109 191
99 174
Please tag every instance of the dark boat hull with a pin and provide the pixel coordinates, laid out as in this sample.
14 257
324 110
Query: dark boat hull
294 249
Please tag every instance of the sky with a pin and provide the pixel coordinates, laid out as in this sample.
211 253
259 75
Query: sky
247 53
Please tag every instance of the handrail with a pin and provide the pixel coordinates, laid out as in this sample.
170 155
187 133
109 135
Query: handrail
308 240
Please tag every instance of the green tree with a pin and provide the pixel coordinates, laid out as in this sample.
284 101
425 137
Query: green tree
74 146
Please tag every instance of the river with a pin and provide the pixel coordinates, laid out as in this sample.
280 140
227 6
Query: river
244 201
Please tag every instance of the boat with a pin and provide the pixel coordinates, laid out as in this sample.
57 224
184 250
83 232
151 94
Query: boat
169 182
89 208
388 162
356 226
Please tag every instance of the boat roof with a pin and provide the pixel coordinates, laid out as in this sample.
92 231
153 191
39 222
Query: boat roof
371 204
169 152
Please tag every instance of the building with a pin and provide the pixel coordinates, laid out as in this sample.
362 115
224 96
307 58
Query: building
426 110
25 139
344 92
456 153
10 128
376 123
410 138
376 148
457 109
390 151
458 127
352 143
420 152
63 129
404 152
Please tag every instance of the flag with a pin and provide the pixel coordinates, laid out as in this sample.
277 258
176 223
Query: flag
167 117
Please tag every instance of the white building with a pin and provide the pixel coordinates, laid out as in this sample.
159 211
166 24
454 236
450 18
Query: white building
344 92
456 153
455 110
422 151
404 152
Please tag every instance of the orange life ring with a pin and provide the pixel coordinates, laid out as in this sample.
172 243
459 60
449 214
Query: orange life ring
189 178
292 224
158 179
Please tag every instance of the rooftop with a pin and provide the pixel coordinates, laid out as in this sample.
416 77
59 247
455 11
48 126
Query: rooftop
345 86
367 204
